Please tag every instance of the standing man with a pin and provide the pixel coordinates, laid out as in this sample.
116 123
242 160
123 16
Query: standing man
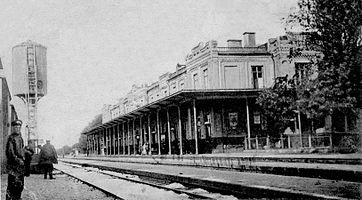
48 156
28 152
15 162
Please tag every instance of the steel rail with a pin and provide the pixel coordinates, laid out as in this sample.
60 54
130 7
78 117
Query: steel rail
91 185
178 191
237 190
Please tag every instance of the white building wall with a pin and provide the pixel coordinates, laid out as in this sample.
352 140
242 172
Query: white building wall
224 71
106 113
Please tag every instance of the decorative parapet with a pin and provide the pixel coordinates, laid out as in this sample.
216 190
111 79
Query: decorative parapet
242 50
293 44
152 92
180 69
164 77
136 98
200 49
115 111
153 85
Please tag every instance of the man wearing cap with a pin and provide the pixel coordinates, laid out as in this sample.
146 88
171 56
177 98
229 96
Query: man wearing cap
48 156
15 162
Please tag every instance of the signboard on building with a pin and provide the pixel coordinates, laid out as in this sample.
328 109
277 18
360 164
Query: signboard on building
233 119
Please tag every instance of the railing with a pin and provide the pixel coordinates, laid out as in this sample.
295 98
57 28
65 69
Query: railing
259 142
322 141
290 142
247 50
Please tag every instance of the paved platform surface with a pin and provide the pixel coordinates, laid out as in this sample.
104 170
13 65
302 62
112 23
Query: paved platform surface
175 160
62 188
263 153
276 154
354 158
316 188
327 166
284 155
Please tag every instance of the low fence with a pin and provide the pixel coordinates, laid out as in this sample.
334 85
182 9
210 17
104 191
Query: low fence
342 142
290 141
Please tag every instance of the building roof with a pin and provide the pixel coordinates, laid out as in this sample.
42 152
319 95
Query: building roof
182 96
29 43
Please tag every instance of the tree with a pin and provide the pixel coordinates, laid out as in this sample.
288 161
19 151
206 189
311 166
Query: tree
278 104
82 144
95 122
333 27
82 141
65 150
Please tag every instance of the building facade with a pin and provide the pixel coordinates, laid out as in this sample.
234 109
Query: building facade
359 100
7 114
207 105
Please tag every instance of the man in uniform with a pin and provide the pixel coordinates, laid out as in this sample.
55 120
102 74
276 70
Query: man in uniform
15 162
48 156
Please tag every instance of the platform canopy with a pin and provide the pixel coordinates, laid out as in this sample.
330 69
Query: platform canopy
181 97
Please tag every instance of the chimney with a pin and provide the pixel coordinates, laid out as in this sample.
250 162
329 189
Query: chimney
249 39
234 43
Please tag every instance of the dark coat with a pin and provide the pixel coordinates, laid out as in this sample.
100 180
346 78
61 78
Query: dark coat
28 152
15 155
48 155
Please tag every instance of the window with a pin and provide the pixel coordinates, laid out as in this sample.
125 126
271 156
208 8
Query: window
300 71
232 77
195 81
181 84
257 76
206 79
173 88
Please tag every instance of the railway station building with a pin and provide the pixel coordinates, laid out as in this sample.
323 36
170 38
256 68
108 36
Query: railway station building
7 115
207 105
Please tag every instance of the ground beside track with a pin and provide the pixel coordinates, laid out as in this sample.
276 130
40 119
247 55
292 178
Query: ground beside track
343 189
62 188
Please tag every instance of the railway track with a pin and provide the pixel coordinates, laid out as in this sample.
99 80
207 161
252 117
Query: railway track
100 179
240 187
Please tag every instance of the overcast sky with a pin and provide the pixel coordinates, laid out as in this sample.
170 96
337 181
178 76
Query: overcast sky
98 49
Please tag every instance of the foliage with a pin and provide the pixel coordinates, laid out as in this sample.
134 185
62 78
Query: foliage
348 144
330 84
65 150
95 122
333 30
278 105
82 144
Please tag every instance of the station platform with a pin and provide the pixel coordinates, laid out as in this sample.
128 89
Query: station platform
61 188
346 167
253 185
